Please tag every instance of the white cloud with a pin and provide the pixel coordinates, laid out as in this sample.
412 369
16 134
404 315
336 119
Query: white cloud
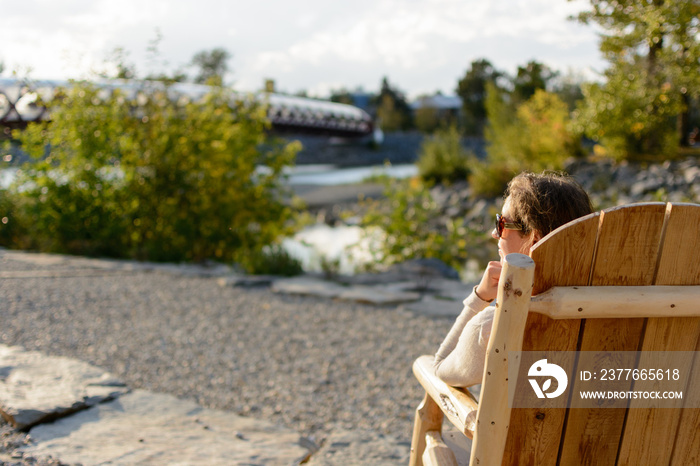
422 45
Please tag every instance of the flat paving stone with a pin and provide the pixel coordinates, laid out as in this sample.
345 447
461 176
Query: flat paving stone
155 429
308 286
434 307
37 388
377 295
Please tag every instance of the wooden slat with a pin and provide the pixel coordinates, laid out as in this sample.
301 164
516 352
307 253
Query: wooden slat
598 302
628 245
687 445
428 417
436 452
650 433
626 254
562 258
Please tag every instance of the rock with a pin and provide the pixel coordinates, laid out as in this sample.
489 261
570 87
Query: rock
308 286
377 295
692 175
645 186
148 428
479 209
247 281
434 307
37 388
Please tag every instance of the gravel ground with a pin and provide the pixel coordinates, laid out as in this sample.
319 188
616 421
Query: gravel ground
306 363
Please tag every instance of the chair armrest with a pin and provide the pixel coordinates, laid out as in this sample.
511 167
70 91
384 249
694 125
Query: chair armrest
457 404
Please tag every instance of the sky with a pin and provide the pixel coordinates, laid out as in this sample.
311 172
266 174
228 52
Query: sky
421 46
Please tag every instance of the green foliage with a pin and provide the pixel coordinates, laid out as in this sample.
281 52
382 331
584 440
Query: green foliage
273 260
628 117
415 228
13 224
443 159
426 119
535 136
155 177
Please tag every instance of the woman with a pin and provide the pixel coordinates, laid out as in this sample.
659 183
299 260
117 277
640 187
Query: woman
534 205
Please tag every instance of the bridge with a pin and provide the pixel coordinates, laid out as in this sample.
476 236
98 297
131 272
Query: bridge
19 105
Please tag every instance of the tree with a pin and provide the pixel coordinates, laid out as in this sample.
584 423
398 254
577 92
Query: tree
212 66
393 111
472 90
657 40
530 78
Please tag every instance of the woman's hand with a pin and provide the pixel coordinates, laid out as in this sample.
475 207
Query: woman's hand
487 289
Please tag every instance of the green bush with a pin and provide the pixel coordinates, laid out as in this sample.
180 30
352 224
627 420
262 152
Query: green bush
415 228
273 260
631 119
13 224
155 177
443 159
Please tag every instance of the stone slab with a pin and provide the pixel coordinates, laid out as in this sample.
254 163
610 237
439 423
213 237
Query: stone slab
36 388
247 281
308 286
434 307
377 295
155 429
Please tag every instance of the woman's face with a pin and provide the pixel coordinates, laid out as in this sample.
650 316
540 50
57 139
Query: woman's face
511 240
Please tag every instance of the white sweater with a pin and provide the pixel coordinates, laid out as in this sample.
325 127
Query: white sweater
460 359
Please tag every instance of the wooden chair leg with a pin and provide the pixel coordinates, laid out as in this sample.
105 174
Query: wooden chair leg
428 417
436 452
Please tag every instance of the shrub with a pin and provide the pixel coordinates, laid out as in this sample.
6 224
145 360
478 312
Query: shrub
157 177
630 118
443 159
13 225
272 260
415 228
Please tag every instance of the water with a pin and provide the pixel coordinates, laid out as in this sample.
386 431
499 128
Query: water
331 175
344 249
305 174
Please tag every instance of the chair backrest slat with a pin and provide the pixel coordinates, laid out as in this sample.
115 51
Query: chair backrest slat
650 434
637 245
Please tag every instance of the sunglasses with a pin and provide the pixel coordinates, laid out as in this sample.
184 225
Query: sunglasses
501 225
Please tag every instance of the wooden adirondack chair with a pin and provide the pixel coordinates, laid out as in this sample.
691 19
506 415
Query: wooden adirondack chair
624 279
